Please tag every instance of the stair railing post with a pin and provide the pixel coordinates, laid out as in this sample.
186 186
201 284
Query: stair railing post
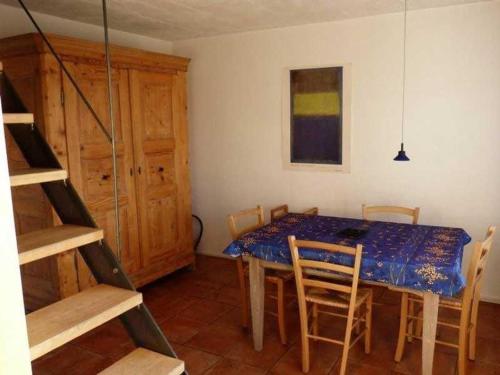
65 71
113 130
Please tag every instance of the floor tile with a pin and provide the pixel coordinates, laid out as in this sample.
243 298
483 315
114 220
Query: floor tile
488 325
354 368
229 367
483 368
230 318
381 355
218 339
109 340
199 288
229 295
225 274
488 350
244 352
164 308
180 328
196 361
411 363
323 357
71 359
205 310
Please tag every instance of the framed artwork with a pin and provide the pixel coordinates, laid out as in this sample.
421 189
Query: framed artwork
316 118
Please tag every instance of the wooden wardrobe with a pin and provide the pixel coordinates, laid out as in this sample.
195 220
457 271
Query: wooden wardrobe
149 91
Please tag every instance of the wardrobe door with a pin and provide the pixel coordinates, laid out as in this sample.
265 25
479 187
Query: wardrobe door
160 152
90 159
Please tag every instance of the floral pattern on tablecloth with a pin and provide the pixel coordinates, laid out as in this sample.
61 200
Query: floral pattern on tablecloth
422 257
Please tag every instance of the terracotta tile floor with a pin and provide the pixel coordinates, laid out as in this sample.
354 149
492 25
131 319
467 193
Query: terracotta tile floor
199 313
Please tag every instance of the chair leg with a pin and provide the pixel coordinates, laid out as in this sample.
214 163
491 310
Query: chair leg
368 323
243 292
411 311
305 354
402 327
281 311
347 342
358 317
462 339
304 329
420 324
473 330
315 319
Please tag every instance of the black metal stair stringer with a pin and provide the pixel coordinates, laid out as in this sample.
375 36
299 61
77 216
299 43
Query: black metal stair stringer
98 256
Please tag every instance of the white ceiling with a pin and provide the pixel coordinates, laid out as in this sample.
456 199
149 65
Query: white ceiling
186 19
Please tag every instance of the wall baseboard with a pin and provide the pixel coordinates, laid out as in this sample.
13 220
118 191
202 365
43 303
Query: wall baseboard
215 255
490 299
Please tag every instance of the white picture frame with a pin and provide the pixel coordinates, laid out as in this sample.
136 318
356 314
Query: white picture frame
346 122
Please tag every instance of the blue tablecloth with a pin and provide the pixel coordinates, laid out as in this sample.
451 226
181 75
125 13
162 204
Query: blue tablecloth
422 257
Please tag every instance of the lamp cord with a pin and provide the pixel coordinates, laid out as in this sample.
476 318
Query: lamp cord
404 75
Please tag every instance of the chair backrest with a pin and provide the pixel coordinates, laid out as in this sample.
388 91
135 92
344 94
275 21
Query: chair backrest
478 262
233 219
300 265
311 211
371 210
278 212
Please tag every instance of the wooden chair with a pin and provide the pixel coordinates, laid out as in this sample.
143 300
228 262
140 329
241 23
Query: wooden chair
367 211
311 211
331 294
413 213
277 278
280 211
467 303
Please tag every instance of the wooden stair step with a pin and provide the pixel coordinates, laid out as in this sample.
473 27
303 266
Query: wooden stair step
145 362
50 241
18 118
31 176
61 322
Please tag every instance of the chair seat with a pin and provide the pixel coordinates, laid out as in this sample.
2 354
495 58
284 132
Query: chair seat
282 275
455 301
274 276
335 299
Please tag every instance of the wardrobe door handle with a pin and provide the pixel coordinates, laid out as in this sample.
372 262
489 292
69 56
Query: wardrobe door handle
139 170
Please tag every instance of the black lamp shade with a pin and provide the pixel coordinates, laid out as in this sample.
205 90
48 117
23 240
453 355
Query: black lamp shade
401 156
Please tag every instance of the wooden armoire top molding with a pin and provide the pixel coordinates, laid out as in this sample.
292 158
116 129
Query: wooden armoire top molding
79 50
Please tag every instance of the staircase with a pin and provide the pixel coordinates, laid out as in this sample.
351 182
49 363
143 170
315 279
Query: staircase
114 296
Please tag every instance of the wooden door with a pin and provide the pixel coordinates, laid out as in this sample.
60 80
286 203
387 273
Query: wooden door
160 152
90 159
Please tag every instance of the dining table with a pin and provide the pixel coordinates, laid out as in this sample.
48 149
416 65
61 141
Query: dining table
420 259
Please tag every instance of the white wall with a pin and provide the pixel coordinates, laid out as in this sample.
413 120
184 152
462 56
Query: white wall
13 21
14 347
452 130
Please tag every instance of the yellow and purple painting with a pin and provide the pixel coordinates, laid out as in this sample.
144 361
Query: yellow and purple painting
316 115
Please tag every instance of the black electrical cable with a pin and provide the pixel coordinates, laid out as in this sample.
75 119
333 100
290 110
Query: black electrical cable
198 238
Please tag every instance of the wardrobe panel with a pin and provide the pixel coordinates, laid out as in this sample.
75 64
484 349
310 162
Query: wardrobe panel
90 159
155 146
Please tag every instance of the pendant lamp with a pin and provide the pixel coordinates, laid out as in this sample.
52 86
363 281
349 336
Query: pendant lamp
401 156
